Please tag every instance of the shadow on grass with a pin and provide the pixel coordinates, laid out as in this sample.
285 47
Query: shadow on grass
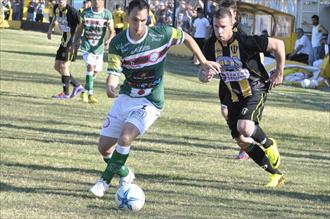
51 191
52 55
51 168
299 99
50 130
33 77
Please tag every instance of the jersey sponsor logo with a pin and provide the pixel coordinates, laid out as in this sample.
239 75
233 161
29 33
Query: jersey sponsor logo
240 75
155 37
244 111
137 92
153 57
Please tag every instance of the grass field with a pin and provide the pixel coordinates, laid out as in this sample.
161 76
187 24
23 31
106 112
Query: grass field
184 163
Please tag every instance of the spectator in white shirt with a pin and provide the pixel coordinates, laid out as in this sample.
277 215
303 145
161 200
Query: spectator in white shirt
201 29
303 51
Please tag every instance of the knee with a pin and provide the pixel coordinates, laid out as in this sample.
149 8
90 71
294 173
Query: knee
106 146
244 129
125 140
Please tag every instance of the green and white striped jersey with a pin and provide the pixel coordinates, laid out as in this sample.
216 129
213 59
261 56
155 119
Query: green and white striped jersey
95 28
142 62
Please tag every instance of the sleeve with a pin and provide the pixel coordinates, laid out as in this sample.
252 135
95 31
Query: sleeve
174 35
81 16
114 59
110 16
256 44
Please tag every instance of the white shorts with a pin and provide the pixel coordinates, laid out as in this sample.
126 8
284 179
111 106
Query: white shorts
138 111
92 59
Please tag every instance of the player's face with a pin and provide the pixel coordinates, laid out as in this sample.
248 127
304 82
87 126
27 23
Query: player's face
99 4
223 28
137 20
62 3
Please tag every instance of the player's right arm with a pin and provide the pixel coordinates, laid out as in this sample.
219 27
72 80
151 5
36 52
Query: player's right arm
77 34
112 83
114 68
50 29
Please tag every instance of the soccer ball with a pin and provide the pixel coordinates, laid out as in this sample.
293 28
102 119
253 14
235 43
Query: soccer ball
130 197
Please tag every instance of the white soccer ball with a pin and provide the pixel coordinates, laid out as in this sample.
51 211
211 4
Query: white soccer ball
305 83
130 197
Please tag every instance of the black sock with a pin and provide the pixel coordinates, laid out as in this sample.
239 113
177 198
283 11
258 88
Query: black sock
259 136
65 83
73 81
259 156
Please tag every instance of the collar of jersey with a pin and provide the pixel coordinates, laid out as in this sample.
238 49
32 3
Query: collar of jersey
229 41
138 41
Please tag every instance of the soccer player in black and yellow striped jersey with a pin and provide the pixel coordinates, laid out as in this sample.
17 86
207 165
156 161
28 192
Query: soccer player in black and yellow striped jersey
245 80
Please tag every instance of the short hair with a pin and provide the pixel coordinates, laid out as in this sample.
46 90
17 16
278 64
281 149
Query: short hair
222 13
315 17
231 4
118 6
199 10
140 4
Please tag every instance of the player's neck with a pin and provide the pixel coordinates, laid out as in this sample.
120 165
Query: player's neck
134 36
99 9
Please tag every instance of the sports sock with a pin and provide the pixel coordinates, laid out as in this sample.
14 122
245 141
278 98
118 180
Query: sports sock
65 83
89 82
258 155
123 170
259 136
116 162
73 81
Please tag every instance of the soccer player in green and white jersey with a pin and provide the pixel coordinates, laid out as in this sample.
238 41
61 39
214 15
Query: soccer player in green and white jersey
95 21
139 53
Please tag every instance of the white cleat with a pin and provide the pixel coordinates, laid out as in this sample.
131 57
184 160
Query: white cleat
100 187
127 179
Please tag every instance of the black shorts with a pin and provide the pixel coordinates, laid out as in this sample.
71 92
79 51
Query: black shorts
64 54
249 108
224 95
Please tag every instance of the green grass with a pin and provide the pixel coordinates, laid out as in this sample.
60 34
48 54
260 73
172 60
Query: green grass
184 163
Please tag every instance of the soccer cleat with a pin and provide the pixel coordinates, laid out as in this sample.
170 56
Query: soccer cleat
273 154
127 179
77 90
100 187
84 97
92 99
242 155
61 95
276 180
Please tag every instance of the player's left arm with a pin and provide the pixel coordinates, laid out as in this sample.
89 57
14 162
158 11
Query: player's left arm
277 47
323 30
111 33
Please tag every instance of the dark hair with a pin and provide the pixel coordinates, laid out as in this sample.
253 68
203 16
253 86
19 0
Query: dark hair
117 6
199 10
315 17
230 4
222 13
140 4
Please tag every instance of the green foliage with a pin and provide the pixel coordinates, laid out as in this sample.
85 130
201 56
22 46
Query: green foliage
184 163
